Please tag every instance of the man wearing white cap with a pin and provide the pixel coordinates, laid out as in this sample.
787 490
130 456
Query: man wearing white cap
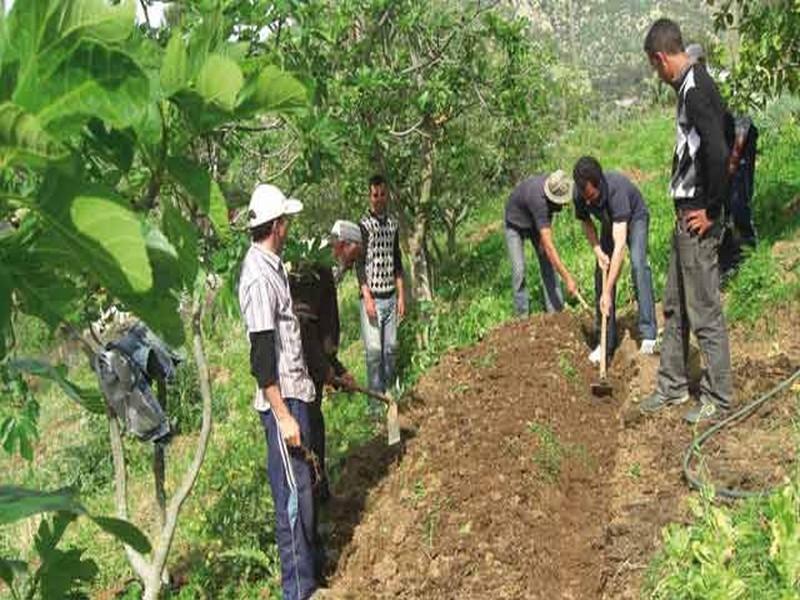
285 388
313 288
528 215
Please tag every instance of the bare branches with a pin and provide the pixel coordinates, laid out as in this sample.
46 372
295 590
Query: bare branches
414 128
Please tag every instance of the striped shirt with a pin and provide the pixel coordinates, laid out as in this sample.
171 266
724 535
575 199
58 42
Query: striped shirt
266 305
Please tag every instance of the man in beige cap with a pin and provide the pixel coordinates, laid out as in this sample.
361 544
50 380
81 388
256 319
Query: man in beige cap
528 215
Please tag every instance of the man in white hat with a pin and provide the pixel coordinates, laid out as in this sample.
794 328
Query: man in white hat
313 289
528 215
285 388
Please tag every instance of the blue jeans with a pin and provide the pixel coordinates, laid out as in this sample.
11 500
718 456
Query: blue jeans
380 344
642 283
551 291
301 556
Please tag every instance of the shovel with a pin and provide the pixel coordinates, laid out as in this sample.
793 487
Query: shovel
392 421
602 388
582 301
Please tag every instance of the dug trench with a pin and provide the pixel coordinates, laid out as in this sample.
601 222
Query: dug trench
514 482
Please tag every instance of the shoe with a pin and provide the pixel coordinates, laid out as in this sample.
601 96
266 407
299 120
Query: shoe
705 410
647 347
657 401
594 357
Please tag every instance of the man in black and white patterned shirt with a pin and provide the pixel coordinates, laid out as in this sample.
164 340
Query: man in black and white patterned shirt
380 275
284 389
698 187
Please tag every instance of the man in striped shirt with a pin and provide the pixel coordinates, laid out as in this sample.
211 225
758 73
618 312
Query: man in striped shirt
284 389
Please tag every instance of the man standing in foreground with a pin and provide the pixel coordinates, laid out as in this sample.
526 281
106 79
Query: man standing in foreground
618 205
528 216
313 289
380 275
698 188
285 389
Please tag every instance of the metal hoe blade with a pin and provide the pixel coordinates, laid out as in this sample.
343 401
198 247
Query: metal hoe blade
392 424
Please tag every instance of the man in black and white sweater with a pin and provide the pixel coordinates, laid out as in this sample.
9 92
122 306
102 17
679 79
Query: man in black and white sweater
380 276
698 187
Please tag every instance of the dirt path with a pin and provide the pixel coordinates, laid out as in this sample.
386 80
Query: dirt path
514 482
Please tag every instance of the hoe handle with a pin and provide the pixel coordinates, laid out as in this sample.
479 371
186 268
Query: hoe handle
370 393
603 334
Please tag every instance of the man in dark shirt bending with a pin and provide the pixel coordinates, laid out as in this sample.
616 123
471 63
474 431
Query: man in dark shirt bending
528 215
698 188
313 289
618 205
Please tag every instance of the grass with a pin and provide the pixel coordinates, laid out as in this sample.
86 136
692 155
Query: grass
225 546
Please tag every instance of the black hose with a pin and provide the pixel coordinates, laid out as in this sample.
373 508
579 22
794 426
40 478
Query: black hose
739 415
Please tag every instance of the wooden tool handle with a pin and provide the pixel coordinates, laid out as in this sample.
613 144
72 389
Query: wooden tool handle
603 333
582 301
366 392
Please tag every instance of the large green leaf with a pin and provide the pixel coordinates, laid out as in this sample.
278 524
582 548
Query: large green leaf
99 232
24 141
19 503
183 237
93 82
219 81
118 231
202 189
97 19
63 572
123 531
90 399
175 68
272 90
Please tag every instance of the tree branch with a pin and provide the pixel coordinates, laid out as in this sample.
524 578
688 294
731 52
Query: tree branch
412 129
136 560
152 585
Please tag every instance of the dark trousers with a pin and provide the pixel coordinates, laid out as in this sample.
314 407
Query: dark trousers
741 232
638 232
300 555
692 303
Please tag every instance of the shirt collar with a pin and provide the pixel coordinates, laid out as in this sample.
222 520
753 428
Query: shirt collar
678 81
272 259
381 218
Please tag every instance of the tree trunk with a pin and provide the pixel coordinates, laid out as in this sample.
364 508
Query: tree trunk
153 583
420 274
153 573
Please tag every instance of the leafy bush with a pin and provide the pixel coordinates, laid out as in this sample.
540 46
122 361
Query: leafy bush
750 552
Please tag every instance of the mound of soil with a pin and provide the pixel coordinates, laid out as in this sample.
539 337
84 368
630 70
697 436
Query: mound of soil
514 482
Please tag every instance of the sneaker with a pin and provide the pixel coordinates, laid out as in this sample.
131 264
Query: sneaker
657 401
594 357
705 410
647 347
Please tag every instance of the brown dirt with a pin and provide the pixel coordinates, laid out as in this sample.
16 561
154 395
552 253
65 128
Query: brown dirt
514 482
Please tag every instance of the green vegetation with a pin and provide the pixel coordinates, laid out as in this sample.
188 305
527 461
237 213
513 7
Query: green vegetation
124 150
752 551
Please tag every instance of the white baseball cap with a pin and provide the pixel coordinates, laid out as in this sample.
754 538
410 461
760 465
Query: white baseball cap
267 203
346 231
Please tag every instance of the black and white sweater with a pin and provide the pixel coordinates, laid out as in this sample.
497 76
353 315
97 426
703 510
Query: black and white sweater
704 134
380 263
